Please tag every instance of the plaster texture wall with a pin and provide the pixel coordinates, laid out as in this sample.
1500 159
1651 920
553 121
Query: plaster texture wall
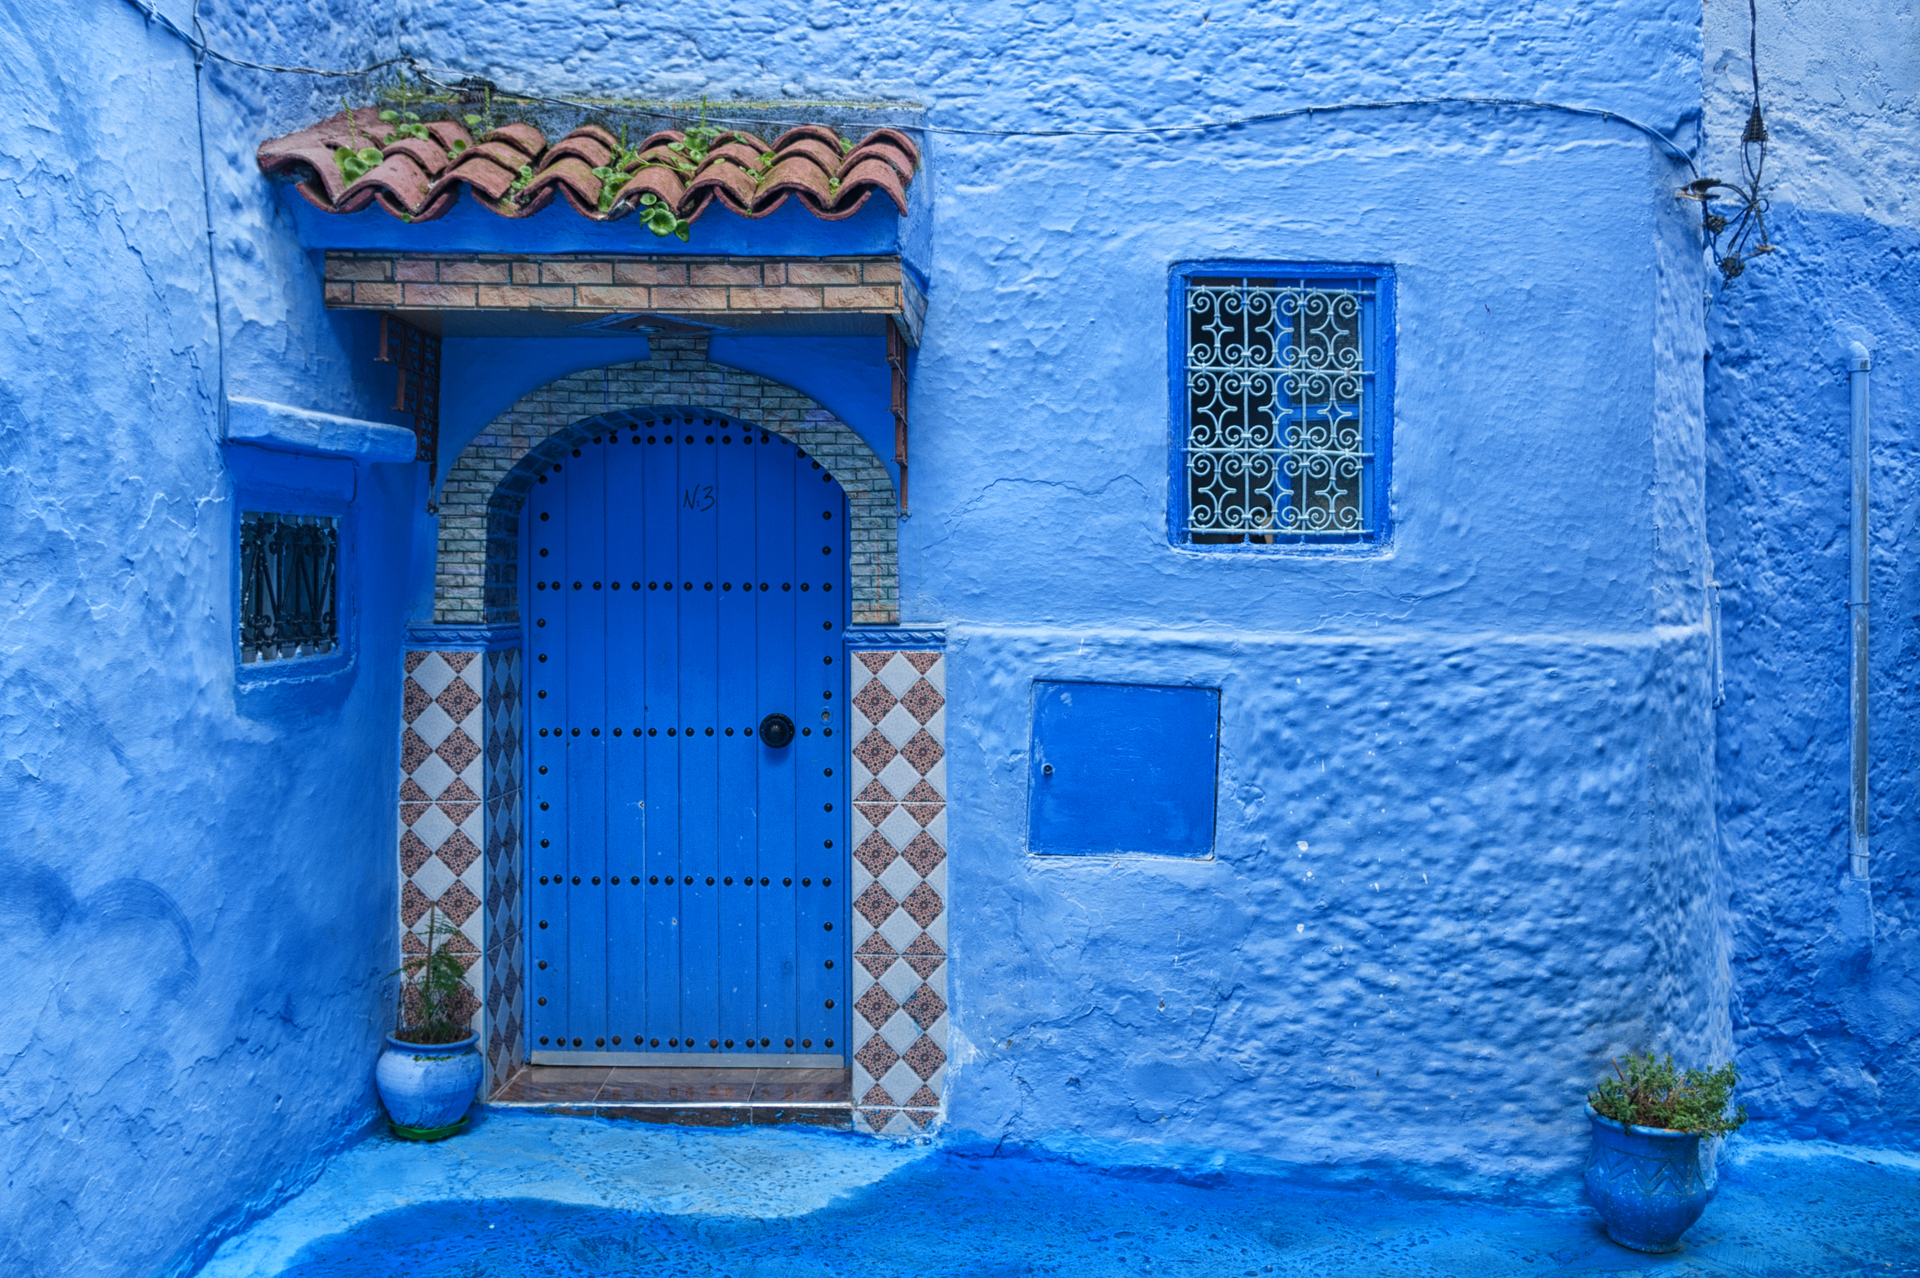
1467 843
1826 996
1511 701
196 880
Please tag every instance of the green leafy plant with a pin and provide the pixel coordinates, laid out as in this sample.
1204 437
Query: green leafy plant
480 121
614 174
656 215
611 180
434 989
696 142
661 220
406 124
1651 1092
358 160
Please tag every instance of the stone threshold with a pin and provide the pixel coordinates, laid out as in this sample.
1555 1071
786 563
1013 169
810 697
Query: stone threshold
689 1097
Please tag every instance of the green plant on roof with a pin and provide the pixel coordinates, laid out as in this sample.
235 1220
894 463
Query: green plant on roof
621 168
406 124
614 174
481 120
1651 1092
661 220
359 159
696 142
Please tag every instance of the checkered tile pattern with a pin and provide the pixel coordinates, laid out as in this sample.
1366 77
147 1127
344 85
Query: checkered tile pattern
899 890
460 827
442 825
506 867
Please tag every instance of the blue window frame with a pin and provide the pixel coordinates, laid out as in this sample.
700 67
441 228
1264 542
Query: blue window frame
1282 393
295 549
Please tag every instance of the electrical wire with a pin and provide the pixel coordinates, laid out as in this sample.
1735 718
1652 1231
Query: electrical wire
203 51
213 253
432 77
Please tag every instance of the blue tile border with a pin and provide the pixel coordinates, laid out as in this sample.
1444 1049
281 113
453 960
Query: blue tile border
871 637
464 638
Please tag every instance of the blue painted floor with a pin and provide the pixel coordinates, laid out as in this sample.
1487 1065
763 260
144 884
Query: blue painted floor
525 1196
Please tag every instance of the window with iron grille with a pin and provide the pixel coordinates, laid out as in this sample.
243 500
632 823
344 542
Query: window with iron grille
1282 388
288 586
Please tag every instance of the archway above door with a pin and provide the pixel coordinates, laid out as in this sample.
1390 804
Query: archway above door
476 579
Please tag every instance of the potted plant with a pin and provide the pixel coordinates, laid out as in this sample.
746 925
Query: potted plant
1651 1172
431 1069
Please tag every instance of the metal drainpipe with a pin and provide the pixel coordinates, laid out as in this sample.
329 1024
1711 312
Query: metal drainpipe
1859 366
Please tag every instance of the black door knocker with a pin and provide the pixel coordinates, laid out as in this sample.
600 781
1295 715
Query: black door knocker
776 730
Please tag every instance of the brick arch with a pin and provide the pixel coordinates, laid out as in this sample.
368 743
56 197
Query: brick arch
477 578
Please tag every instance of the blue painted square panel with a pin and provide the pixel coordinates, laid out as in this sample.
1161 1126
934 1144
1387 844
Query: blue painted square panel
1119 767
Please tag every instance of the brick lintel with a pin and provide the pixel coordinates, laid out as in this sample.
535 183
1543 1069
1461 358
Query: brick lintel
604 283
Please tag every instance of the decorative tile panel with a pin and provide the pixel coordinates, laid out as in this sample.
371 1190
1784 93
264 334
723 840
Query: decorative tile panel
899 834
505 866
440 710
459 828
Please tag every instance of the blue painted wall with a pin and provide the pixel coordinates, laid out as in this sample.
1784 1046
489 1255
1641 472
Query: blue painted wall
1466 843
1470 837
197 887
1826 996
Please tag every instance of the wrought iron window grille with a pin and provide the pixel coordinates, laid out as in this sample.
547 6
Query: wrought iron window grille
1281 392
289 586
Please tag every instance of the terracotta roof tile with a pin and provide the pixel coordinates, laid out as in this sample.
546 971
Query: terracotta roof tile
398 175
888 145
486 175
574 176
586 147
528 140
419 180
447 132
430 156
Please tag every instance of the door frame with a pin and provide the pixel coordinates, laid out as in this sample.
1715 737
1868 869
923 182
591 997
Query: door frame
477 624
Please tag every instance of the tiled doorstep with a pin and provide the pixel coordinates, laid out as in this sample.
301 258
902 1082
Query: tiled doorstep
686 1097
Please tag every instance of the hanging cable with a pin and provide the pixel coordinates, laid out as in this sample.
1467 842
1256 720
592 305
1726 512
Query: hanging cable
437 79
1744 225
203 51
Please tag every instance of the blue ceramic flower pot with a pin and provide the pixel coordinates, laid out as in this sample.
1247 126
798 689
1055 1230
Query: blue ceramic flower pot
1648 1184
427 1089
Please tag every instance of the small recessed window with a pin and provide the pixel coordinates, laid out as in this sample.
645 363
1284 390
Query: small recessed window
289 567
1282 403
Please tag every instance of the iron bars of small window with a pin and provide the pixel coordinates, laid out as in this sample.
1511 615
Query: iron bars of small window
288 572
1276 380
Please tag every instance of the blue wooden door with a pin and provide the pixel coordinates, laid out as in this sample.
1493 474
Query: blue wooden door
685 582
